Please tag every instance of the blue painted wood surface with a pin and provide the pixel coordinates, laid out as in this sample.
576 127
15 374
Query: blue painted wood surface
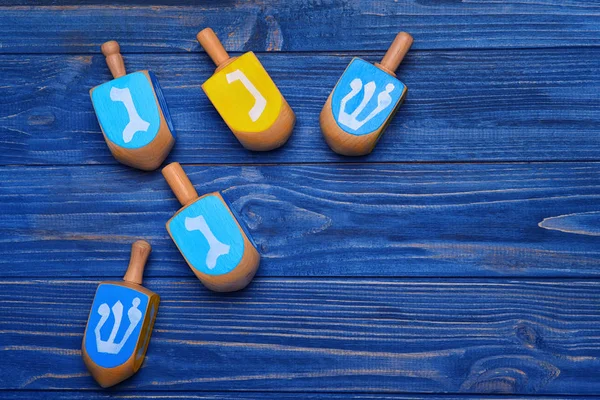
460 258
323 335
283 25
462 105
315 220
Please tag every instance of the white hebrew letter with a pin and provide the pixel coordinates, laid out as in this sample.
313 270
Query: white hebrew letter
134 315
136 123
216 248
383 101
259 101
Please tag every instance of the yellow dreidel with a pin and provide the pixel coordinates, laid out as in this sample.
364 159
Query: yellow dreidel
212 240
120 323
364 101
133 114
246 97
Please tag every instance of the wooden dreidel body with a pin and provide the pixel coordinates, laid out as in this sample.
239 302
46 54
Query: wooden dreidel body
133 114
364 101
246 97
215 244
120 323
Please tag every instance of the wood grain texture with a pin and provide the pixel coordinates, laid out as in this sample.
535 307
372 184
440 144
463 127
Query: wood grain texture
461 106
195 395
320 220
379 281
302 25
315 335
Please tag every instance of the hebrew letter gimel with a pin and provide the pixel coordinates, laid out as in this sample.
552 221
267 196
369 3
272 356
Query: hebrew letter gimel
136 123
216 248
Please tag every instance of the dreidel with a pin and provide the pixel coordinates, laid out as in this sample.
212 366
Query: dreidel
120 323
133 114
213 241
364 100
246 97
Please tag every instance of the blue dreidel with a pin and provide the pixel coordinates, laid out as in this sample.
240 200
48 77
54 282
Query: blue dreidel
364 101
214 243
120 323
133 114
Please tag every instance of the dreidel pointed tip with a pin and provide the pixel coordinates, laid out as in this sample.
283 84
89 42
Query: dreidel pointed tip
114 60
180 183
140 250
213 46
396 52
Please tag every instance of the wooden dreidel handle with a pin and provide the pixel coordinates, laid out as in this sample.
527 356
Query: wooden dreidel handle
180 183
364 100
214 48
120 323
210 237
140 251
395 54
246 97
114 59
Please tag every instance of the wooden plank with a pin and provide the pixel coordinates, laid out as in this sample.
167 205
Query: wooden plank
315 335
281 25
319 220
462 106
195 395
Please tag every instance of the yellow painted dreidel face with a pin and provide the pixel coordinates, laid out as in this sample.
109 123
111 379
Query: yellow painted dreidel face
215 244
120 323
133 114
246 97
364 100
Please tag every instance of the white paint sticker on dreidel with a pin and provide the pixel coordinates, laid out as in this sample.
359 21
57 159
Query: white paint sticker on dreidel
127 110
134 315
259 101
216 249
136 123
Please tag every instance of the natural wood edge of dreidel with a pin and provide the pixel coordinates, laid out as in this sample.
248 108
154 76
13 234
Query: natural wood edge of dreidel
153 299
107 377
239 277
273 137
345 143
342 142
152 155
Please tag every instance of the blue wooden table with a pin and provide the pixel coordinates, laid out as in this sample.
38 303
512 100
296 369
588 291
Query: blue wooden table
462 257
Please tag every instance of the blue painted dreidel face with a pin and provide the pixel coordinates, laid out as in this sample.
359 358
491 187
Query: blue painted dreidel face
115 323
208 236
365 98
127 110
